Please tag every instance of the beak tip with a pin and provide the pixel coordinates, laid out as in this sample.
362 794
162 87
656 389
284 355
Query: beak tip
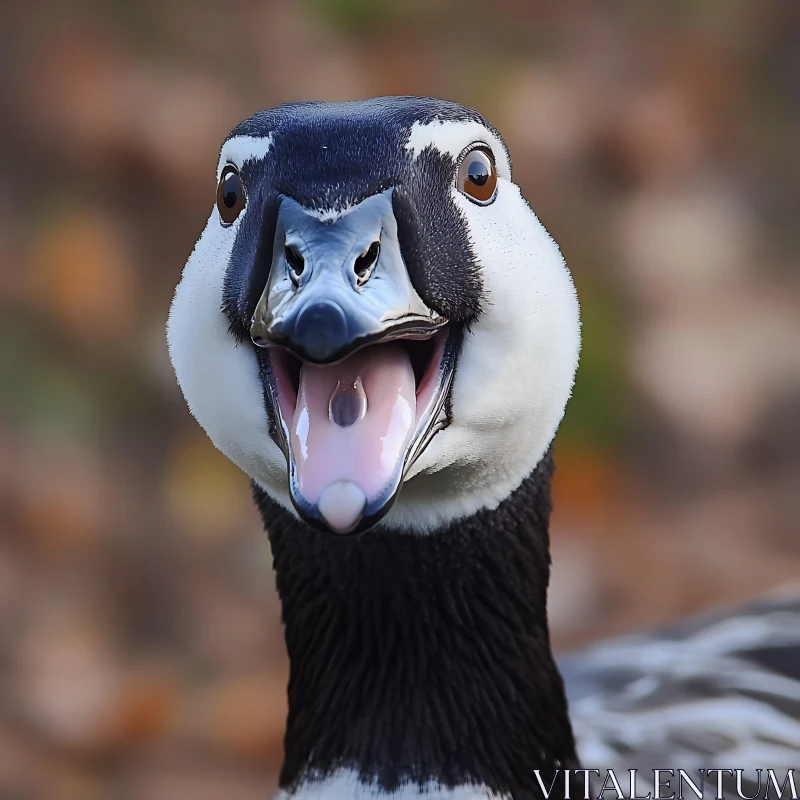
321 329
341 506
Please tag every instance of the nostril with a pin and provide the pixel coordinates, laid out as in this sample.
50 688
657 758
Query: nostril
366 262
295 261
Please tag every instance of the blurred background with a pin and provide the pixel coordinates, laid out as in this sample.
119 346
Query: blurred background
141 654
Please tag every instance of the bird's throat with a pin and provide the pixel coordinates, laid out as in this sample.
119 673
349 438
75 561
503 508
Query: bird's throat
423 659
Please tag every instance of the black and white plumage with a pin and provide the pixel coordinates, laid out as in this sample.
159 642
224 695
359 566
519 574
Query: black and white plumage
348 243
721 688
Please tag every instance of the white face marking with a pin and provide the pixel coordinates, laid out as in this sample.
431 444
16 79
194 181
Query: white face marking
514 374
451 137
239 149
345 784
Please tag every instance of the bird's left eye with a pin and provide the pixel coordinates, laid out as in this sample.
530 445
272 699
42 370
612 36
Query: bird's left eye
230 195
477 176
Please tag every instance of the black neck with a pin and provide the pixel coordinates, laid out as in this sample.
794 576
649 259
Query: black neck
424 658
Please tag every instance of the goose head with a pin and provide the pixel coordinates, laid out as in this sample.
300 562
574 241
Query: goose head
374 325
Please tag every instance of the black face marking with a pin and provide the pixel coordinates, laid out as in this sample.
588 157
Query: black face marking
435 243
424 658
333 155
251 255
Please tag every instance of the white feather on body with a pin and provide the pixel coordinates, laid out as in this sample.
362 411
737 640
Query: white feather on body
345 784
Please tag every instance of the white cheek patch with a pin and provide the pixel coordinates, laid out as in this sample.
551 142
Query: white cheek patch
239 149
220 379
514 374
451 137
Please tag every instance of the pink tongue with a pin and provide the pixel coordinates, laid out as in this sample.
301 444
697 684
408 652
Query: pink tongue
351 427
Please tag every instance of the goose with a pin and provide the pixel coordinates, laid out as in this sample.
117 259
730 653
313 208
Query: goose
377 329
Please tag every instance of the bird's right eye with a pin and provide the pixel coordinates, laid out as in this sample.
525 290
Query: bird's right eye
231 198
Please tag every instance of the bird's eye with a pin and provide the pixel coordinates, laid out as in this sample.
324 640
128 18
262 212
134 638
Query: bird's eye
477 176
230 195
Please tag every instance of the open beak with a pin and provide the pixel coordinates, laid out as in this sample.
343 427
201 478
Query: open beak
357 367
